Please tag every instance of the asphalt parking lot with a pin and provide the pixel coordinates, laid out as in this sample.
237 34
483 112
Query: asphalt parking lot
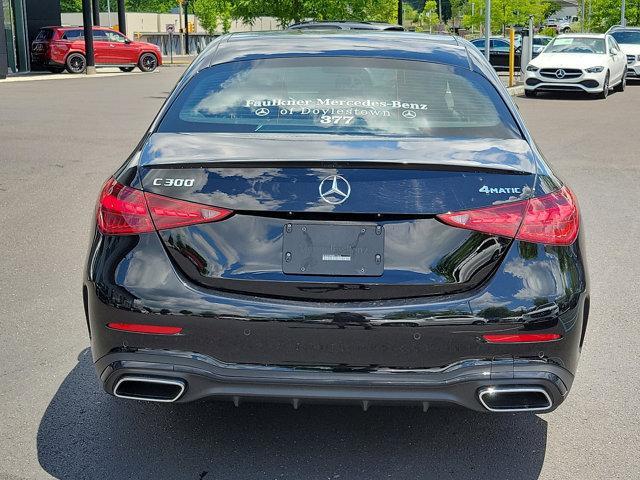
59 140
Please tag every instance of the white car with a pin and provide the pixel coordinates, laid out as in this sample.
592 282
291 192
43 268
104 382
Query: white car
592 63
629 40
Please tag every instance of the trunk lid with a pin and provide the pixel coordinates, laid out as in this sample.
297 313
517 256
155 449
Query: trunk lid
395 188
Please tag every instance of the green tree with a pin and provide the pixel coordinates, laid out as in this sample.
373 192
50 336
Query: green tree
429 18
159 6
289 11
504 13
70 5
605 13
213 13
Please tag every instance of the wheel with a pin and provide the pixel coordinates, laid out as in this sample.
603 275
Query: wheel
605 88
623 83
127 69
56 69
148 62
76 63
530 93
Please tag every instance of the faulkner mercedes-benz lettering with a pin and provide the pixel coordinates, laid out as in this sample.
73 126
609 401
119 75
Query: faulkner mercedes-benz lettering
358 217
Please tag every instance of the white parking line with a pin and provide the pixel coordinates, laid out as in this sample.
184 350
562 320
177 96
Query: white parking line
102 73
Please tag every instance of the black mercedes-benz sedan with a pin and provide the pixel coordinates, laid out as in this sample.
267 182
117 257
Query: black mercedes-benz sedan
338 217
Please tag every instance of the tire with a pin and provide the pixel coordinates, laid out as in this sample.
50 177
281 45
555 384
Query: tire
127 69
605 88
55 69
76 63
623 83
530 93
148 62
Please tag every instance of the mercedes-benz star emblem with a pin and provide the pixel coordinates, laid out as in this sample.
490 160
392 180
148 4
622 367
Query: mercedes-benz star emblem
334 189
560 73
262 111
409 114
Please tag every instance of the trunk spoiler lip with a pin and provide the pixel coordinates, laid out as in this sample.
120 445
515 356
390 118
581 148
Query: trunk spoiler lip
168 150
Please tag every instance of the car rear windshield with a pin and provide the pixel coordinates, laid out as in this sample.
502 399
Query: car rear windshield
627 37
44 34
341 95
576 45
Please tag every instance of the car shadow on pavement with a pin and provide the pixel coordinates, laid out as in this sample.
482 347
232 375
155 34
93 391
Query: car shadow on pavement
86 433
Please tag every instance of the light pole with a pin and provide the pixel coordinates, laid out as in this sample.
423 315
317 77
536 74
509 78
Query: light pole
96 12
623 20
90 63
487 28
186 27
122 18
400 12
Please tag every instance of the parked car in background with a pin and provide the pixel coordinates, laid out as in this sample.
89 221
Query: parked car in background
592 63
60 48
539 42
629 40
498 51
345 25
562 25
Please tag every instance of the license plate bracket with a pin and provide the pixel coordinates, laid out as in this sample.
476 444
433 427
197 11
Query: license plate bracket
333 250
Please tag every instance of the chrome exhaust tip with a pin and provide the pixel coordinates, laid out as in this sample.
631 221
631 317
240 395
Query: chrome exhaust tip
150 389
515 399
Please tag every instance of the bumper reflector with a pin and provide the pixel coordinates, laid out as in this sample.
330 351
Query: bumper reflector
140 328
522 338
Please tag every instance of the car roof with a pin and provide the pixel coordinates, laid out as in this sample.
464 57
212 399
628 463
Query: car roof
443 49
583 35
620 28
346 24
75 27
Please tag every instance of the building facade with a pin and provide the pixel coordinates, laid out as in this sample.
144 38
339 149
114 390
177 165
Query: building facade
21 20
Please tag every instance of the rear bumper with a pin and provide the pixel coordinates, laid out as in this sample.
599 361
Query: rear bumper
458 384
246 347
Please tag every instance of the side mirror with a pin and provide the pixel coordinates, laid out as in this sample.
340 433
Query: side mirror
126 40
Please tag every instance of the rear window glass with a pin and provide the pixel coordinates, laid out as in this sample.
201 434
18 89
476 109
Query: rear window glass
73 34
631 36
44 34
345 95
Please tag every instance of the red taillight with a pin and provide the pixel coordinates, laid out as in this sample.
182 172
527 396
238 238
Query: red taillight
522 338
171 213
122 210
126 211
551 219
141 328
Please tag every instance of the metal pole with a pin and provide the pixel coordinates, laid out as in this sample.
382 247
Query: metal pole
582 17
122 20
473 14
623 19
440 10
487 28
512 54
171 46
109 12
96 12
90 62
400 12
186 27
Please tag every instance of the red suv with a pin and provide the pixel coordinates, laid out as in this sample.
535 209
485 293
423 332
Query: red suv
57 48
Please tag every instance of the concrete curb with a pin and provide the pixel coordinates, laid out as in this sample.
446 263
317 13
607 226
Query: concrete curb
516 91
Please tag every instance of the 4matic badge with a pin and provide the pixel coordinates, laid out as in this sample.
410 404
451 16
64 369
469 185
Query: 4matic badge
489 190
